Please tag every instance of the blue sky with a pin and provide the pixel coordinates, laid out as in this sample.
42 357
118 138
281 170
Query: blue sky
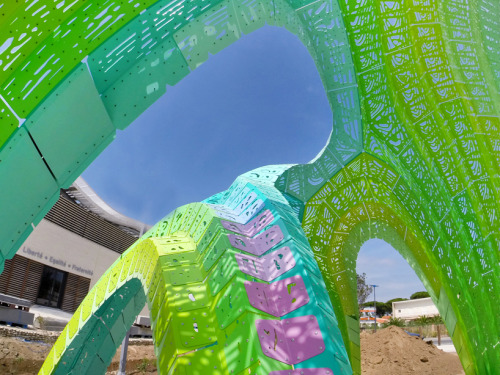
258 102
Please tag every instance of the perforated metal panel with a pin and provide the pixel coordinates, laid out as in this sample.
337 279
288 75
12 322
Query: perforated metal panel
413 157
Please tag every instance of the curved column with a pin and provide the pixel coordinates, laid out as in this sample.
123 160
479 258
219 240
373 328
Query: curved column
368 192
231 285
413 84
118 60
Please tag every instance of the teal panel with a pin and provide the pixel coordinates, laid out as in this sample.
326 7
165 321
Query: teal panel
226 269
414 93
333 344
71 127
118 330
70 357
22 201
108 349
97 366
210 33
252 15
144 83
216 250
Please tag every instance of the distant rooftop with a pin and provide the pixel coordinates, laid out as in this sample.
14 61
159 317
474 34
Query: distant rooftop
83 195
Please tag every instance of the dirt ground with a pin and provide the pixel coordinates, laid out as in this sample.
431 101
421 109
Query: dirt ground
389 351
19 356
393 351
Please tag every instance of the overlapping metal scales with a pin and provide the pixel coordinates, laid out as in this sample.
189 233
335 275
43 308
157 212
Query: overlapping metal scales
414 155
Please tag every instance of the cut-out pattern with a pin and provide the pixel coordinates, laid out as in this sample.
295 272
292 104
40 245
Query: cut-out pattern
413 158
218 318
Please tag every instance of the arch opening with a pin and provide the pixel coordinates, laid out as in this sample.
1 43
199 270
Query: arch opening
386 267
93 343
358 205
447 192
259 101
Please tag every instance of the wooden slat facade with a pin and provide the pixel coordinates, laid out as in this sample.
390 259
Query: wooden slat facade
76 219
22 276
77 288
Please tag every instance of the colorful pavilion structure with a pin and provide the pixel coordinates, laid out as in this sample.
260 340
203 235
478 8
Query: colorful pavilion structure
261 278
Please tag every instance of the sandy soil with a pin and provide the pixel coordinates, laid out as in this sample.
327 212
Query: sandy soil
393 351
389 351
19 356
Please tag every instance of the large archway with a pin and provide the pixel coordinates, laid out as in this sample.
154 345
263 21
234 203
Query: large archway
358 205
134 51
414 143
262 93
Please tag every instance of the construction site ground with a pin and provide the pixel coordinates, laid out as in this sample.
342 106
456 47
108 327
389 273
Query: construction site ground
389 351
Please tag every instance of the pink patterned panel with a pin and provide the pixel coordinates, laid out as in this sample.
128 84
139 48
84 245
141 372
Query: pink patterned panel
289 294
268 267
304 371
278 262
278 298
304 337
291 340
260 244
272 339
261 297
253 227
252 266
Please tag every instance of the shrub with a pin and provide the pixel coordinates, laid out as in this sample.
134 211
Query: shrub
395 322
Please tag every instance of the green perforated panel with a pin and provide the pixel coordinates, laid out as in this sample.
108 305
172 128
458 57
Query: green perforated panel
413 157
20 165
70 140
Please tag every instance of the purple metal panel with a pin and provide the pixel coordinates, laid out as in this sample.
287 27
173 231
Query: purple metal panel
268 267
277 263
260 244
278 298
304 337
304 371
252 266
253 227
289 294
261 297
291 340
272 339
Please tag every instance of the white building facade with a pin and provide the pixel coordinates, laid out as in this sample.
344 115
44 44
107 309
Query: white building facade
69 250
414 308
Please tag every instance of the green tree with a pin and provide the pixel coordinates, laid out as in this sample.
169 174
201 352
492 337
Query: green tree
382 308
422 321
396 300
418 295
363 290
438 321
